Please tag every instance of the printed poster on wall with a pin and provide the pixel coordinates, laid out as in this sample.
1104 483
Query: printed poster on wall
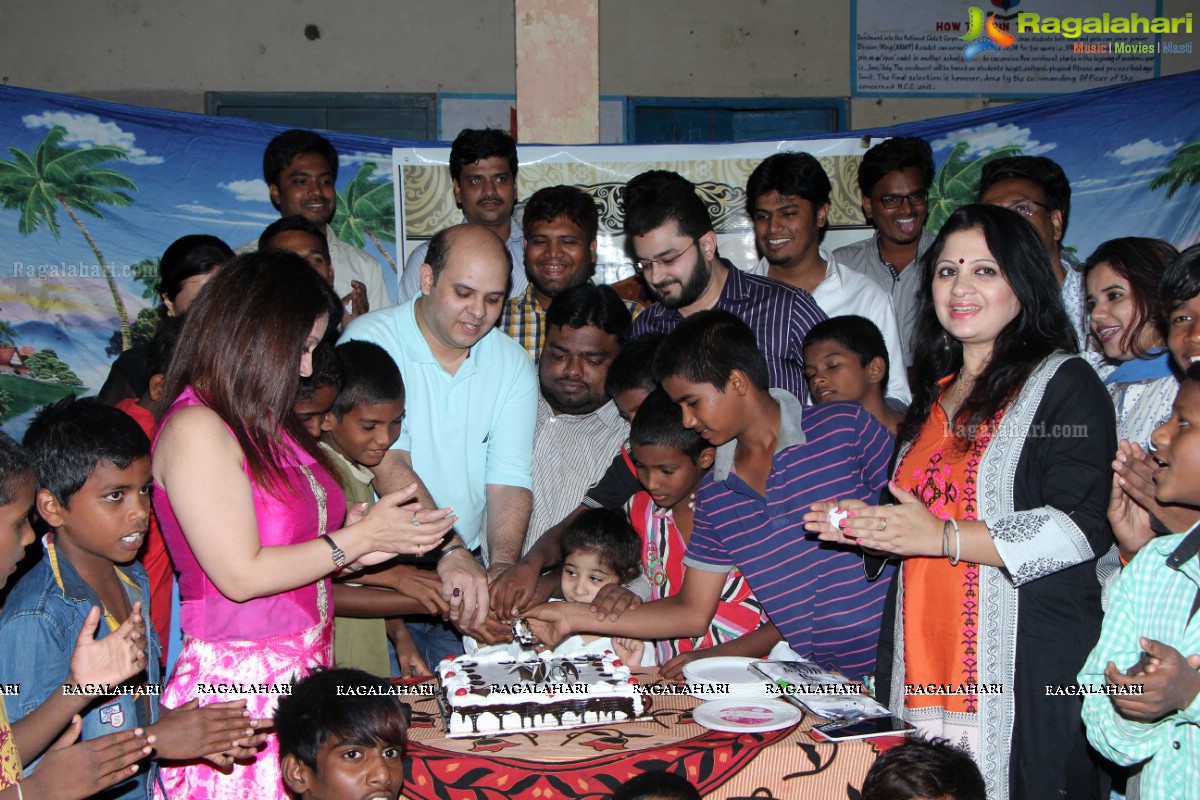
1009 48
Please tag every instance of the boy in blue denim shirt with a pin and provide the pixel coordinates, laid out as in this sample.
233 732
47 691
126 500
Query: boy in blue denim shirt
92 464
69 771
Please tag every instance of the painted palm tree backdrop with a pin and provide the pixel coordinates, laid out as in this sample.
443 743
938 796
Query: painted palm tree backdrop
91 194
72 179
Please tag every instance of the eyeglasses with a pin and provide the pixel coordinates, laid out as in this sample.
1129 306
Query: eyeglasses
646 264
1026 207
895 200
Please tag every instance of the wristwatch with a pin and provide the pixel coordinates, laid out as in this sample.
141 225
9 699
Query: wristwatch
339 555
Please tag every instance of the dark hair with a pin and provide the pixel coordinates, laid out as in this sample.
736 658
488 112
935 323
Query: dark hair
653 199
552 202
590 305
608 533
660 422
475 145
297 142
792 175
656 784
1141 262
15 468
895 155
1040 328
1180 280
919 769
68 439
1037 169
327 370
1192 373
857 334
442 245
187 257
633 366
707 347
371 377
162 346
317 712
240 348
296 222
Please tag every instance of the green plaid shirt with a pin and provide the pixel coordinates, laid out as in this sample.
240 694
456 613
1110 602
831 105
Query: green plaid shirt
1153 598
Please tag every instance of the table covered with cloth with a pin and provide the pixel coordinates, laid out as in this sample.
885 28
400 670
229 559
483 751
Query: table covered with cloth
590 763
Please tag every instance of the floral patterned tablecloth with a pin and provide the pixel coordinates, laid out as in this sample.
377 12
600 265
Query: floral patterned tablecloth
589 763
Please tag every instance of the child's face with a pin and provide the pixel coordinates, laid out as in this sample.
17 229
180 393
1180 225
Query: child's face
311 412
365 433
582 576
1176 446
629 401
109 514
835 373
348 771
668 473
1183 332
713 413
15 531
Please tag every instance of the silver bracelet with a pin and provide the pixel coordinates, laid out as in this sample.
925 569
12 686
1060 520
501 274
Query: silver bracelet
957 543
450 550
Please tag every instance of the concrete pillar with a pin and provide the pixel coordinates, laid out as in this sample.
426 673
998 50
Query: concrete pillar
558 71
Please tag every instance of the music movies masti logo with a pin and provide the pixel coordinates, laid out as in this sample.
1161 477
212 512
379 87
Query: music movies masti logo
982 36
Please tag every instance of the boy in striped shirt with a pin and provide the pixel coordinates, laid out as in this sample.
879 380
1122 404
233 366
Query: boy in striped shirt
774 460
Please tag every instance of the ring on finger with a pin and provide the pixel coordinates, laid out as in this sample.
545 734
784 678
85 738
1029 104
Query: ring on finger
883 525
415 521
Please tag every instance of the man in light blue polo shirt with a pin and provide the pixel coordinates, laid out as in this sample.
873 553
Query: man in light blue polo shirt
471 401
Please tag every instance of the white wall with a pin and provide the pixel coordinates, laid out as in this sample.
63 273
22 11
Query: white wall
167 53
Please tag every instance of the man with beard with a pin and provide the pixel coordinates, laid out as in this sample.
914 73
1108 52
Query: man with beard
578 428
787 198
300 168
560 225
894 177
483 171
674 247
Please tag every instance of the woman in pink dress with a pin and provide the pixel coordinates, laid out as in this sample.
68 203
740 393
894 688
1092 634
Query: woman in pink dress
250 511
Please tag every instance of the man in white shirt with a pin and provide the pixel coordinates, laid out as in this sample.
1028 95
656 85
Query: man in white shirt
894 178
483 169
579 430
787 197
300 168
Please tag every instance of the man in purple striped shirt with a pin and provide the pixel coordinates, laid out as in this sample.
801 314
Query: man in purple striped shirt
670 236
774 460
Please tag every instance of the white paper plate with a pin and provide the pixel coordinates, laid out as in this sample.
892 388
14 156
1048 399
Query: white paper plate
745 716
726 677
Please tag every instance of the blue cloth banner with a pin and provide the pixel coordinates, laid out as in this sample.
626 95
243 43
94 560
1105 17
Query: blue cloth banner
81 234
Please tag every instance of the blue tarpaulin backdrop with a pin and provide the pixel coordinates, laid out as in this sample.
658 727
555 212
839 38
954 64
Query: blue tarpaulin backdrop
86 183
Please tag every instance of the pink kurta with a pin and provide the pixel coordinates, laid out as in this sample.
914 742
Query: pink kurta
233 650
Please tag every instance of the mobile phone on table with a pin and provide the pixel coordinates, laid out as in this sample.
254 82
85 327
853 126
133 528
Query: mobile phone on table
862 728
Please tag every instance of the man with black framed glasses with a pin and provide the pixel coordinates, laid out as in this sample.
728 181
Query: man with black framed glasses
1037 189
894 177
787 199
670 237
